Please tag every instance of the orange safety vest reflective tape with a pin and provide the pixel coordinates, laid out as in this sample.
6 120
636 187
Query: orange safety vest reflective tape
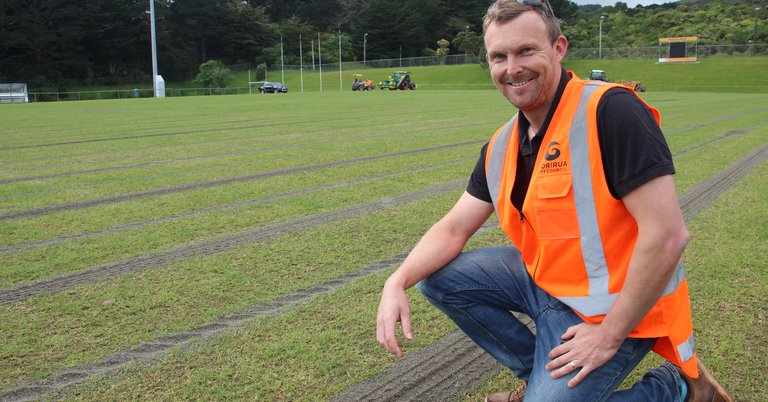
576 239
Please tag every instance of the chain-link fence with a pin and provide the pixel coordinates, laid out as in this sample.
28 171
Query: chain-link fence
657 52
614 53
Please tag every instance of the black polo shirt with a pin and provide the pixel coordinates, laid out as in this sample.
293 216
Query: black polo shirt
633 147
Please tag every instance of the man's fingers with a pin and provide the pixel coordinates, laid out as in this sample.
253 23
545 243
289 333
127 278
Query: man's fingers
405 321
387 338
583 371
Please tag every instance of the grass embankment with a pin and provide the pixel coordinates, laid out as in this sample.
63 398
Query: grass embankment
66 153
712 74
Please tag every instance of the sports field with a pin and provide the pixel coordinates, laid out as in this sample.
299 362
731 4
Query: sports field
233 247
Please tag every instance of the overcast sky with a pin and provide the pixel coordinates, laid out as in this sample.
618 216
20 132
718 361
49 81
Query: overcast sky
630 3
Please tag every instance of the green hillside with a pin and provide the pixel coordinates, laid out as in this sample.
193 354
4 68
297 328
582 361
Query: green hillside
714 74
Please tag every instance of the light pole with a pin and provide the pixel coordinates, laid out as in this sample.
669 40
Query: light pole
282 62
341 84
754 35
600 39
365 41
465 52
154 47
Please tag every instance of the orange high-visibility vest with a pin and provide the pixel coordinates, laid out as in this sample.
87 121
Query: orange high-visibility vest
575 238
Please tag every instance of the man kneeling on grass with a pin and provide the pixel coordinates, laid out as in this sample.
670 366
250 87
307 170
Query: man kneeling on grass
581 182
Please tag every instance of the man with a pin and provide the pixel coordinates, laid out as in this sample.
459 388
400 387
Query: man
596 226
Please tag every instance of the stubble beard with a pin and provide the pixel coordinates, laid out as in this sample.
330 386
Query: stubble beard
524 98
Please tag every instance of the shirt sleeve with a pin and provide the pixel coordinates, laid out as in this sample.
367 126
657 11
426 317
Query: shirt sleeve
478 185
633 146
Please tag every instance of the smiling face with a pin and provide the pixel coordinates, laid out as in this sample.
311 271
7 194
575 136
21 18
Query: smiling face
524 63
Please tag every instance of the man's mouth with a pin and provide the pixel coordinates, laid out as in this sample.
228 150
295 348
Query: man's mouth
519 82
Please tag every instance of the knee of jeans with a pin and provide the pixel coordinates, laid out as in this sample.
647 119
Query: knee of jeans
426 290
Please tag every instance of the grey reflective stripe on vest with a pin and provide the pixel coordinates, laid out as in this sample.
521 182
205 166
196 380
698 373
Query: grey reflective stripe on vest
495 162
686 349
599 300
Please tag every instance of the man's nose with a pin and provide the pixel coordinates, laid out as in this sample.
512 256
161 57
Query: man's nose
513 66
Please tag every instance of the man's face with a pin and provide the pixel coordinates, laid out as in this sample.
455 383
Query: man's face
524 65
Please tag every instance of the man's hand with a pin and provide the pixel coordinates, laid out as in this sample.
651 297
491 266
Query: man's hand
393 308
442 243
587 348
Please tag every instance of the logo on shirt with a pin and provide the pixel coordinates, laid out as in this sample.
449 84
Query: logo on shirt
552 152
553 166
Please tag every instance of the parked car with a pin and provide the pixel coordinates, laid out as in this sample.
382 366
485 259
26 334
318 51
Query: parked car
272 88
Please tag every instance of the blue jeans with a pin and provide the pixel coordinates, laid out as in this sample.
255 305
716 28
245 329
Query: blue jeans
479 289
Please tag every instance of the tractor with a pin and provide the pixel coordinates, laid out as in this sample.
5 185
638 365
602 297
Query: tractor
599 75
359 84
398 80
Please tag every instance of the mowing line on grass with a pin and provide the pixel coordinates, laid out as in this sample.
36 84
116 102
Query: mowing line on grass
117 228
59 283
148 351
292 123
218 208
129 153
458 361
436 364
133 137
227 154
717 120
214 183
703 194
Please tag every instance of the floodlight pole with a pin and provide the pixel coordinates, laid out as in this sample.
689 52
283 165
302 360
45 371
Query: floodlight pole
341 85
301 64
365 41
320 62
600 40
154 46
754 35
282 61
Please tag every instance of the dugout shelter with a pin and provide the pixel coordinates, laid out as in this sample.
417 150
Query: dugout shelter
13 93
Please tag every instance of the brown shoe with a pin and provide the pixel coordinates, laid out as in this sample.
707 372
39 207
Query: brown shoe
508 396
705 388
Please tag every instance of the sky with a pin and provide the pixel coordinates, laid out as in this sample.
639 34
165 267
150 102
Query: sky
630 3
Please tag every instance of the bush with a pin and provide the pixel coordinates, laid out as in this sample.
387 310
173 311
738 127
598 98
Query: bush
213 74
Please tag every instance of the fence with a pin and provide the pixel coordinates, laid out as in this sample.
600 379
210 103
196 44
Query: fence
130 93
655 52
649 52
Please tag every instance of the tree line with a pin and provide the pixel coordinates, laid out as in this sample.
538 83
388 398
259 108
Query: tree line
108 41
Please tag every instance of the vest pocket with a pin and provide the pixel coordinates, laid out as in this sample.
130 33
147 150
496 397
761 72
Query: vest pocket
555 215
557 223
554 187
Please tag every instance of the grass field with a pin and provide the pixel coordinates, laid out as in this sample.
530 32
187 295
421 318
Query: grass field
128 221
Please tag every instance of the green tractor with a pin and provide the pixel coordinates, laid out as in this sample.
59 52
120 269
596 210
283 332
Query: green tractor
398 80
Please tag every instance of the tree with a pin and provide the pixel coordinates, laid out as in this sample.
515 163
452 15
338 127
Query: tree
442 50
41 40
213 74
472 43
